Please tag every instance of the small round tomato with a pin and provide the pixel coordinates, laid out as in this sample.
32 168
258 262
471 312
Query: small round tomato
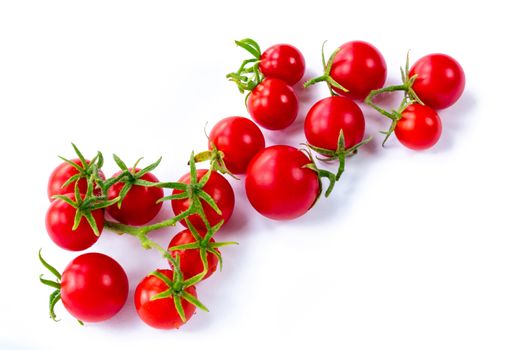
440 80
360 68
282 61
239 139
60 218
161 313
219 189
140 203
278 185
419 127
61 174
190 259
328 117
273 104
94 287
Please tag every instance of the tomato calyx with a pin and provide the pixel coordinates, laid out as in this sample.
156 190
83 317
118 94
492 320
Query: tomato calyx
216 158
177 288
409 97
248 76
55 295
321 173
86 170
85 204
327 67
130 177
340 154
204 244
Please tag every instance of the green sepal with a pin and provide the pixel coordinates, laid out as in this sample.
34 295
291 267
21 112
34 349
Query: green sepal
162 295
192 300
178 306
48 266
49 283
54 298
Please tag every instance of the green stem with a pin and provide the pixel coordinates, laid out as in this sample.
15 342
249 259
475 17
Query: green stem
144 230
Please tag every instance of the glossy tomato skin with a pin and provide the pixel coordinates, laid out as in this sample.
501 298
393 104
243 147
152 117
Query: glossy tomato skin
219 189
273 104
60 218
328 117
94 287
160 313
239 139
360 68
283 61
190 259
277 184
61 174
419 127
440 80
140 203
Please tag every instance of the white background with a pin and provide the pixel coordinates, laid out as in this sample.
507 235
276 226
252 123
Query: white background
412 251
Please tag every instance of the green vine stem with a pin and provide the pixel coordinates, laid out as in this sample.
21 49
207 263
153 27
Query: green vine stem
248 76
327 67
409 97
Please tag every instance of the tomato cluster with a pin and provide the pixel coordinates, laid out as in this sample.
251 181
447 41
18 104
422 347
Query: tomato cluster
281 182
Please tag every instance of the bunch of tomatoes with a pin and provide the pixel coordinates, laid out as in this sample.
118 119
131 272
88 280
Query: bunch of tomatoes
281 182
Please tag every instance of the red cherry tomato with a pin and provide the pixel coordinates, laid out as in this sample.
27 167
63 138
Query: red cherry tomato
61 174
60 218
419 127
273 104
140 203
239 139
190 260
219 189
328 117
283 62
161 313
278 185
360 68
440 80
94 287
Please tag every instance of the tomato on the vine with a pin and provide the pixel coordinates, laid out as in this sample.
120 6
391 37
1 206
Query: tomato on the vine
61 174
440 80
94 287
278 184
220 191
282 61
328 117
419 127
239 139
273 104
161 313
139 205
60 218
190 260
359 67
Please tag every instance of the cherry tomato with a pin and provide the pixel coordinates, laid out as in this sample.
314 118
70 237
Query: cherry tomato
219 189
239 139
94 287
60 218
419 127
61 174
328 117
273 104
360 68
440 80
283 62
161 313
278 185
140 203
190 260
